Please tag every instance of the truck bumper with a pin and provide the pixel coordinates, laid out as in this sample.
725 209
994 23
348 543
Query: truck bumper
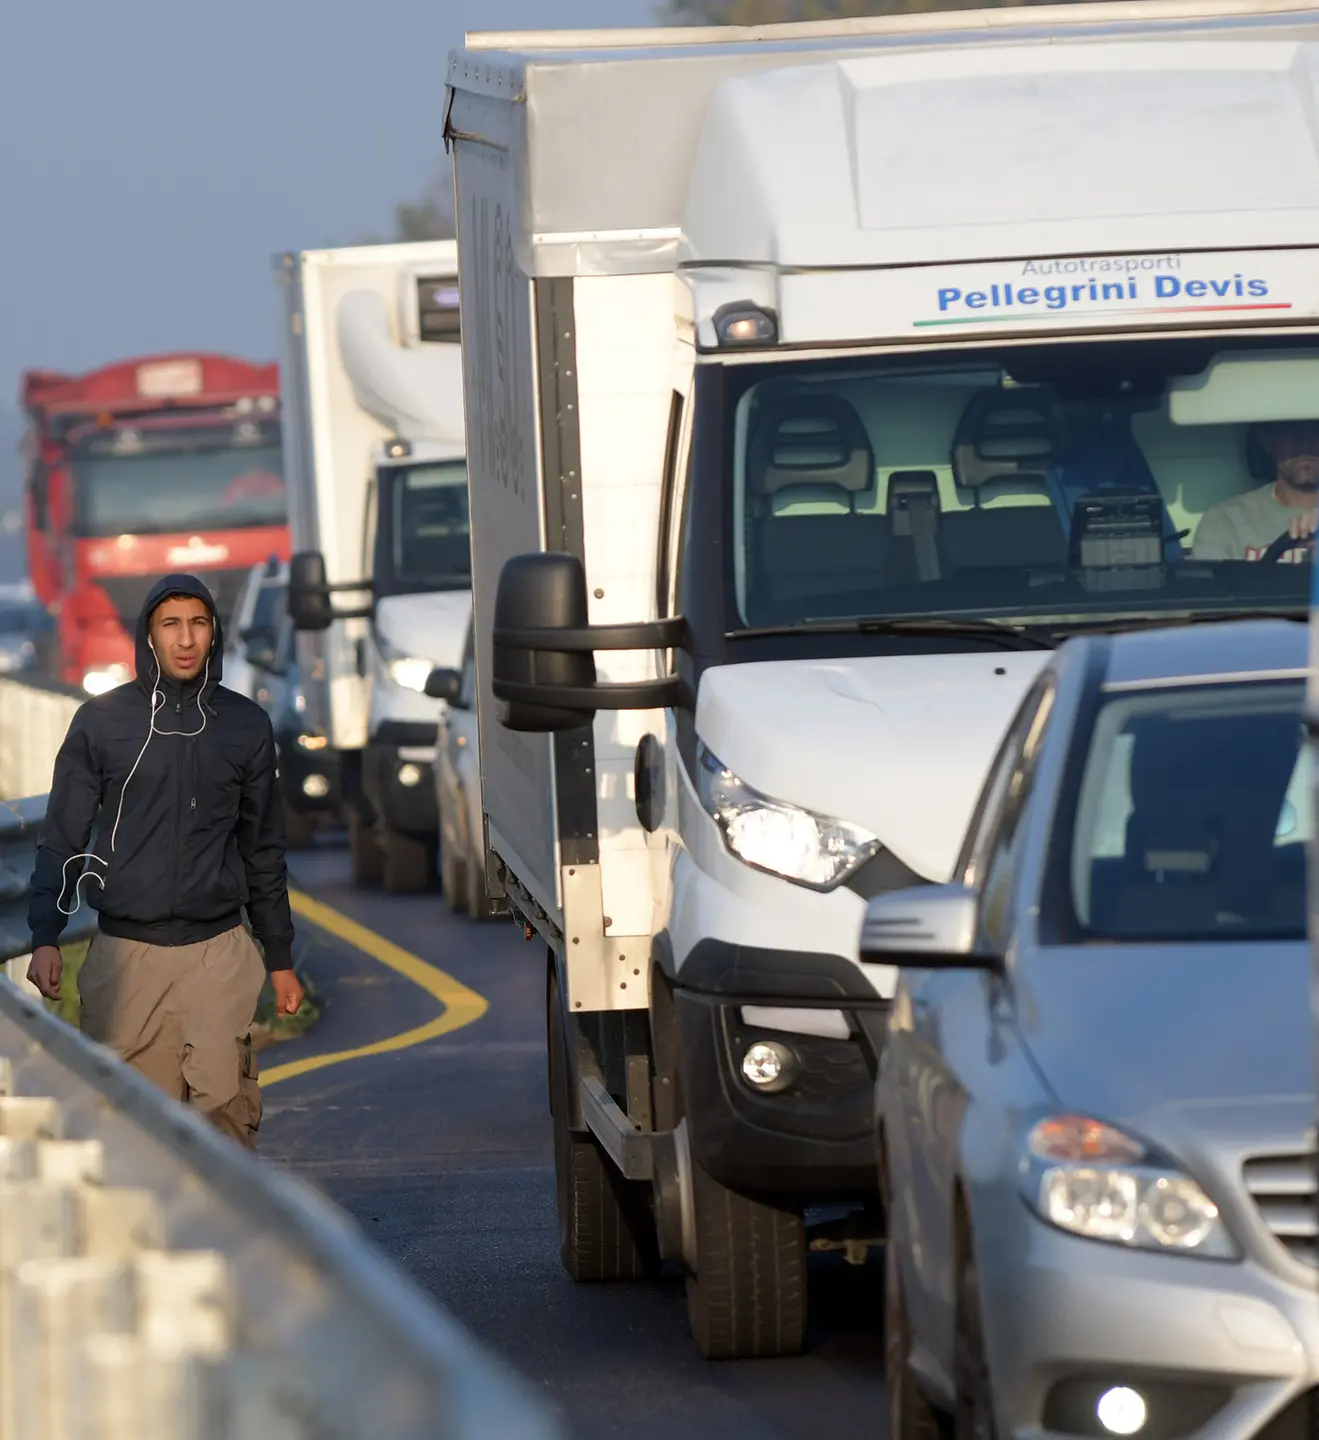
309 779
812 1141
398 775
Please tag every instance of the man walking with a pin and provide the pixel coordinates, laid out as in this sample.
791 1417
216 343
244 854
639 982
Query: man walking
178 775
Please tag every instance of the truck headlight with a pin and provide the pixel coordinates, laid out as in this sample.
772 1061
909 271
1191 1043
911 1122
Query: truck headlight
1094 1180
105 677
771 835
410 671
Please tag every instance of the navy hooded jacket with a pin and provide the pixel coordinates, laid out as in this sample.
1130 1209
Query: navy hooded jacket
194 835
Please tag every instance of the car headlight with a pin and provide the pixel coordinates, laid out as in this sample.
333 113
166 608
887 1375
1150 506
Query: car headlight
808 849
97 681
1096 1181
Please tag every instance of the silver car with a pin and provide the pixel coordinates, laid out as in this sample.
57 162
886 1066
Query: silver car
1096 1107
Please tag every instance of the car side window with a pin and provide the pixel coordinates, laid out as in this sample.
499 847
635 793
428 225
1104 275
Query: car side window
997 864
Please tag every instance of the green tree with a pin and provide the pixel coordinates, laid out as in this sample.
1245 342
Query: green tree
430 215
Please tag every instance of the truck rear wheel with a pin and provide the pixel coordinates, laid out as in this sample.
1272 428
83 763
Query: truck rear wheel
606 1231
364 850
408 862
747 1299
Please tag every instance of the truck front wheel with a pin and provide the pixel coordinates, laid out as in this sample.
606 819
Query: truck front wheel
606 1231
747 1297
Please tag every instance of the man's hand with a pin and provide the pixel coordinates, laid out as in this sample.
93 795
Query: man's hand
287 987
46 970
1302 525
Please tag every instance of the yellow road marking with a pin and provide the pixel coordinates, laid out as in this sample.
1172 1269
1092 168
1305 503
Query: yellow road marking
461 1005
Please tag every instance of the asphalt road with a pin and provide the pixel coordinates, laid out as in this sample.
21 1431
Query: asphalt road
442 1152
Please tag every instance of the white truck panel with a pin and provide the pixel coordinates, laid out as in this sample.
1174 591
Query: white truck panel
625 395
638 105
506 503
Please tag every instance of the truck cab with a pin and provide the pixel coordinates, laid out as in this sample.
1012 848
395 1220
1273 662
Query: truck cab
809 407
380 582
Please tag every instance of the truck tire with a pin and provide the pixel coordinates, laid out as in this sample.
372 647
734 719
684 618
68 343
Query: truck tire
452 880
409 863
364 850
747 1299
606 1231
299 828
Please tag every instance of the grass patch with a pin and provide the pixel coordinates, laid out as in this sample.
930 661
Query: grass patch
267 1029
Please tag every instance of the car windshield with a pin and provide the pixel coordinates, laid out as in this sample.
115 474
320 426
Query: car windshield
426 536
1193 815
169 481
1060 483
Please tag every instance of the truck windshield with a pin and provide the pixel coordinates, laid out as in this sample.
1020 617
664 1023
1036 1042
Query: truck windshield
1045 485
154 483
423 540
1193 816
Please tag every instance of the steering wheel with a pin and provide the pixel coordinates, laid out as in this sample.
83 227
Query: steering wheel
1284 544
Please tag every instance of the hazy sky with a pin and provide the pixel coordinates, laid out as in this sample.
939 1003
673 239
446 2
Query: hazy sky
154 154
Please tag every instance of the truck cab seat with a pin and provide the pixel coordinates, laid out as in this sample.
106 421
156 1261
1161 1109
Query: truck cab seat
1002 447
810 465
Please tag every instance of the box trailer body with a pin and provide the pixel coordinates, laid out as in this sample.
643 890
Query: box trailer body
850 367
379 495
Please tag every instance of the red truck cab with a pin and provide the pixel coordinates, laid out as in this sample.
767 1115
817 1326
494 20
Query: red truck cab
168 462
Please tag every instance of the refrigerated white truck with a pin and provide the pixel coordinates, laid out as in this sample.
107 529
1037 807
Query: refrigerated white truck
819 380
379 585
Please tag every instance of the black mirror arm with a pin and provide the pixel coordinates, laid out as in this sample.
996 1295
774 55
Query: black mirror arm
643 635
662 694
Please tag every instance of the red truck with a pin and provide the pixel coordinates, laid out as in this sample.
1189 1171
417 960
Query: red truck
168 462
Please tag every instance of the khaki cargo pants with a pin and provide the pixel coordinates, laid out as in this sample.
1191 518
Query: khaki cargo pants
182 1015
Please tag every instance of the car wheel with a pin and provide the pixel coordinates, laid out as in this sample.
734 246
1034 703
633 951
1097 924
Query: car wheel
299 828
452 880
478 898
606 1231
910 1414
974 1417
408 863
364 850
747 1299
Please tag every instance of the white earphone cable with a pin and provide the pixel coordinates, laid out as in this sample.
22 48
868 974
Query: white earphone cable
157 700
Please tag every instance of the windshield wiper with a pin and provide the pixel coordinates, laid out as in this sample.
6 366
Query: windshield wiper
1197 617
1007 637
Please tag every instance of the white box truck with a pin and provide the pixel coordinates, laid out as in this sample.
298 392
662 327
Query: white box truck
819 380
378 512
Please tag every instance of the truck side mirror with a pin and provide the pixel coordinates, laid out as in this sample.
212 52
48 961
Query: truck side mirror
309 602
444 684
541 689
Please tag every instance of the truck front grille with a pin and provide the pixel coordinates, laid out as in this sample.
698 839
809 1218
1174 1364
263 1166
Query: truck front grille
1286 1190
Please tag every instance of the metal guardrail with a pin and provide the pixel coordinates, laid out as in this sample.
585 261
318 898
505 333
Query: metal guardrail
157 1282
20 821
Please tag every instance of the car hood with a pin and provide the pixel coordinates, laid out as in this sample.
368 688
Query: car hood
1157 1038
432 626
899 744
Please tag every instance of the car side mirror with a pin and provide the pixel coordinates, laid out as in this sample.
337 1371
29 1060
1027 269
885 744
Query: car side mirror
444 684
310 607
925 927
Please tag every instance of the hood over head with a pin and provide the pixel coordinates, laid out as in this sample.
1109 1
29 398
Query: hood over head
148 672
